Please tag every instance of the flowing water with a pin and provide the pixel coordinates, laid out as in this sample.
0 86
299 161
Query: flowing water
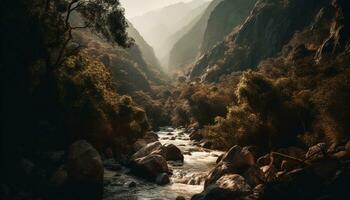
187 179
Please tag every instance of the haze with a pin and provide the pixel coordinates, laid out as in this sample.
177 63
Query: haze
135 8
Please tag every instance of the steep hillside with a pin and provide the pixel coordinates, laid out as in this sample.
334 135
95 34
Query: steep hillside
226 16
186 49
270 26
157 26
184 27
146 50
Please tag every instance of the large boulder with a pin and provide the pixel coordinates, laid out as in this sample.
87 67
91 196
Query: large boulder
231 186
316 152
147 150
150 166
85 171
172 153
236 161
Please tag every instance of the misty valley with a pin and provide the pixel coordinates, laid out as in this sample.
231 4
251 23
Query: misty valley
175 100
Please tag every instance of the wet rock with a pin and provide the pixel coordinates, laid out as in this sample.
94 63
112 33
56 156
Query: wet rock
172 153
316 152
234 182
150 166
219 158
85 171
147 150
162 179
236 161
196 136
131 184
207 144
227 187
180 198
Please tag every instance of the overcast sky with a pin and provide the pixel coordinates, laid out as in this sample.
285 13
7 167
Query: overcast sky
135 8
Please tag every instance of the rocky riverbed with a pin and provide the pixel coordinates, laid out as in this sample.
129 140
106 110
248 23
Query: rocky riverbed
186 180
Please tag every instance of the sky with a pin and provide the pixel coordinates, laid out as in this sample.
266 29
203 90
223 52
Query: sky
135 8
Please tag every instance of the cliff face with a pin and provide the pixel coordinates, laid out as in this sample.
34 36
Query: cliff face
186 49
226 16
271 25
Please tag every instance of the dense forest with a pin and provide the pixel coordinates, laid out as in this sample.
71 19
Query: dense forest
200 100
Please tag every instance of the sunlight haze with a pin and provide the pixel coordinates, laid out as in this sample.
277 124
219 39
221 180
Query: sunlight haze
135 8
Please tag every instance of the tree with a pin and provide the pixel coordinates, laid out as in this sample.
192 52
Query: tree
104 17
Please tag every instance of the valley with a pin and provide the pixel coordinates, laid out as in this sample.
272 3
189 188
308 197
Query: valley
175 100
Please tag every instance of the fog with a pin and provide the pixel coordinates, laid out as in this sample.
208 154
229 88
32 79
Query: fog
135 8
161 22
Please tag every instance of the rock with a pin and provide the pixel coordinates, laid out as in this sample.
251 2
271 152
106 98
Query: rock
131 184
173 138
289 165
227 187
264 160
341 155
316 152
347 147
172 153
297 184
270 172
162 179
147 150
150 166
254 176
219 158
169 134
85 171
207 144
196 136
236 161
234 182
139 144
239 156
180 198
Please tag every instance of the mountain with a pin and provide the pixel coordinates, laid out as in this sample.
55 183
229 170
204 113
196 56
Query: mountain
146 50
226 16
157 26
185 26
187 47
271 25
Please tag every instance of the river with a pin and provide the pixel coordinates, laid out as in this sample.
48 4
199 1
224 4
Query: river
187 179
